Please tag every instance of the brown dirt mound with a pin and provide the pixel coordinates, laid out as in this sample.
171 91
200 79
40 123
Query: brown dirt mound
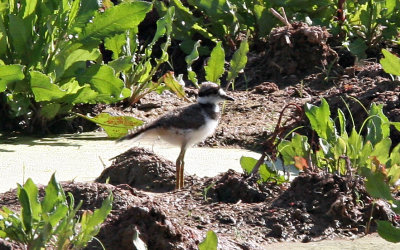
141 169
232 187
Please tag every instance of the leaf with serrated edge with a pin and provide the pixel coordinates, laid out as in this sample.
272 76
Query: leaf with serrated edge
115 20
238 61
215 66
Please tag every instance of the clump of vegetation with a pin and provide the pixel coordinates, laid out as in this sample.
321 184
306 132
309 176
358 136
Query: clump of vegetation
44 72
53 221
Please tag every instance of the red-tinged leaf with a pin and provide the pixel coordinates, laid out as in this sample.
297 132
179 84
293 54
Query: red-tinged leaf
115 126
300 163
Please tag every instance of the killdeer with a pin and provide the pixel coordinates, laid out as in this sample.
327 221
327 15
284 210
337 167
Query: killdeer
188 125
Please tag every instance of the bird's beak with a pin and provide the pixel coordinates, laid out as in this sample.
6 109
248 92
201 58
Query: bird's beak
227 97
224 96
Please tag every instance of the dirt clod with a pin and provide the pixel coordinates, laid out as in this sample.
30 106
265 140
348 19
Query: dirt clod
141 169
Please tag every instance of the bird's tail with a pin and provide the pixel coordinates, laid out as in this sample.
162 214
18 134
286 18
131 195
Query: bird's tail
134 134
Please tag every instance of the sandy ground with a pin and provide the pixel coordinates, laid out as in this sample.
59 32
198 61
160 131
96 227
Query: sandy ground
83 157
372 241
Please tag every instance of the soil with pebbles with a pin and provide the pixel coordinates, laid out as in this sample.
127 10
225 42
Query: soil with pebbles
244 213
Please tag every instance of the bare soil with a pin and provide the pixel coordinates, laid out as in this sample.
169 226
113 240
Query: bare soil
246 214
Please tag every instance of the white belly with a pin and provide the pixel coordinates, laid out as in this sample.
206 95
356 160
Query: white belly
189 136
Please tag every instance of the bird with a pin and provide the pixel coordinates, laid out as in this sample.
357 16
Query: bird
186 126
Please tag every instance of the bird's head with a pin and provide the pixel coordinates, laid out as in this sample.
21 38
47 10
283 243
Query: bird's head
212 93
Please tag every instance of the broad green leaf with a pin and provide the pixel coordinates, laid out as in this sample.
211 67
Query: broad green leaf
81 55
358 47
19 34
378 126
267 174
364 154
115 44
381 150
103 80
74 12
387 231
26 211
59 214
144 71
53 195
121 64
32 192
115 20
215 9
238 61
390 6
115 126
300 142
86 11
215 65
78 94
247 163
50 110
390 63
393 173
10 73
377 187
210 242
395 155
174 85
43 88
99 215
355 144
321 121
29 7
265 21
287 151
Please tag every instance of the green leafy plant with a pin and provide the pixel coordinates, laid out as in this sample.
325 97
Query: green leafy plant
45 47
215 67
137 64
342 151
378 188
52 221
390 63
266 173
210 242
369 22
218 20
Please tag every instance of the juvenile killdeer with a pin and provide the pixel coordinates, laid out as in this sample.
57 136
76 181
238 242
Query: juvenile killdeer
188 125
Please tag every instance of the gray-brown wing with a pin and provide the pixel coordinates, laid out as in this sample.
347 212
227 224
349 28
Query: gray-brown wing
190 117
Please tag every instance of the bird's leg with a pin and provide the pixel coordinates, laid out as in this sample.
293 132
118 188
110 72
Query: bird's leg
178 172
182 176
179 168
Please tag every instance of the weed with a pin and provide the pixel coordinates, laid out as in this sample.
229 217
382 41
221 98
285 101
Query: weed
51 222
